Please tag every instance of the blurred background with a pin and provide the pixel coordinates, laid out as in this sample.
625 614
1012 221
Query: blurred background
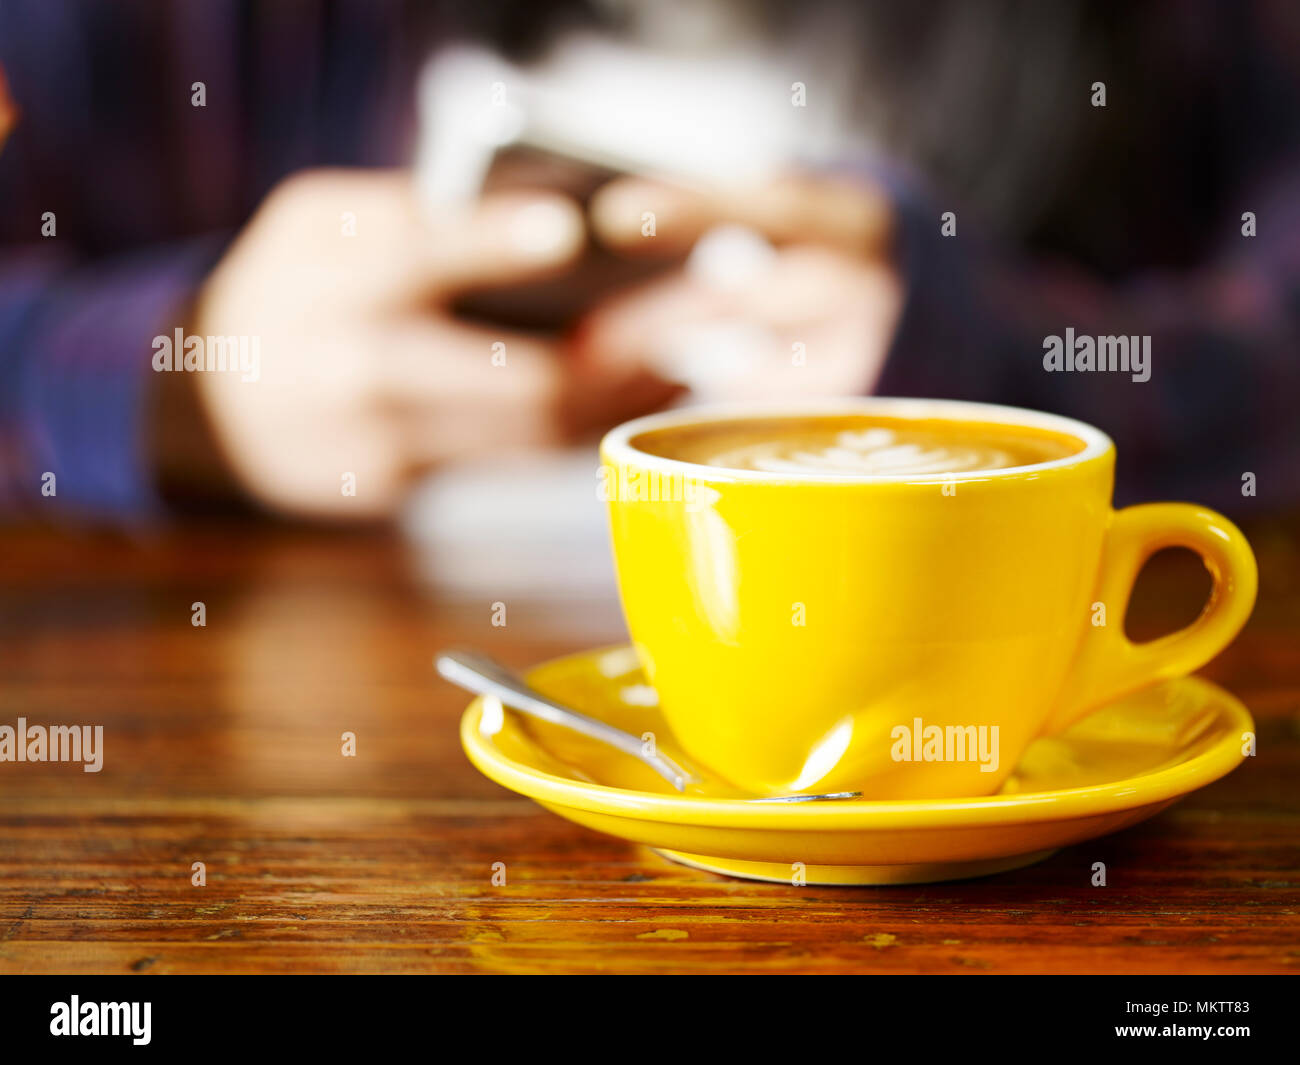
460 240
440 247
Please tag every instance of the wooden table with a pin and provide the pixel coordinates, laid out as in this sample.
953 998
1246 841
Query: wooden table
223 746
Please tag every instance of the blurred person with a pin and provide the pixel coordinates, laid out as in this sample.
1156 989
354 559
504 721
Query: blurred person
1171 211
1122 219
121 186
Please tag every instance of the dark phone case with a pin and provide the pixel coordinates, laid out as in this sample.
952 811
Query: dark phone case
553 304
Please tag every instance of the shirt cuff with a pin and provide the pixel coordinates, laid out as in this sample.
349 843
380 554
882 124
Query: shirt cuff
77 367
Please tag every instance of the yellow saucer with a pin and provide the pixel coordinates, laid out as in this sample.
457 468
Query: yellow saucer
1119 766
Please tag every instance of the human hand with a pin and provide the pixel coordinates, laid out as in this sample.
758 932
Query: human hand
814 316
362 369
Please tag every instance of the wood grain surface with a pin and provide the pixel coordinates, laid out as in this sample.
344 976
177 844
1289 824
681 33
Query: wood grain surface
222 745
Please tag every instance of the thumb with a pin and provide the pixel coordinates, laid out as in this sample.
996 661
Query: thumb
503 238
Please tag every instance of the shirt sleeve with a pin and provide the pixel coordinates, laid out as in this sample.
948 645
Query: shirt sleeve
75 366
1215 420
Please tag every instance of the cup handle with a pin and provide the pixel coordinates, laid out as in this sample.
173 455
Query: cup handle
1108 663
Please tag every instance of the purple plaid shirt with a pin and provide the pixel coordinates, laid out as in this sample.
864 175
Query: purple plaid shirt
145 189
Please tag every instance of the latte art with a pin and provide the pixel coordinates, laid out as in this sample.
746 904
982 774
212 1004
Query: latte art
870 451
858 446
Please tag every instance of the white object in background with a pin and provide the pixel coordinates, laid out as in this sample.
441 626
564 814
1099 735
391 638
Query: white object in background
527 526
607 103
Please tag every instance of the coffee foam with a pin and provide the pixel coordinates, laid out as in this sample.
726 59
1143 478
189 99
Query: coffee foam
872 451
858 446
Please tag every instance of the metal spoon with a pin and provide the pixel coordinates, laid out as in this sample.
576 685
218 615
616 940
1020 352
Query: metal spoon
484 676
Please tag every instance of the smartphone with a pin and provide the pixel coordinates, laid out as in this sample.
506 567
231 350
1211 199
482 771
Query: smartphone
552 304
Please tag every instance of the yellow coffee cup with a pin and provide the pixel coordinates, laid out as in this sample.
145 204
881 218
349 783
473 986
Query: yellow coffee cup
901 634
